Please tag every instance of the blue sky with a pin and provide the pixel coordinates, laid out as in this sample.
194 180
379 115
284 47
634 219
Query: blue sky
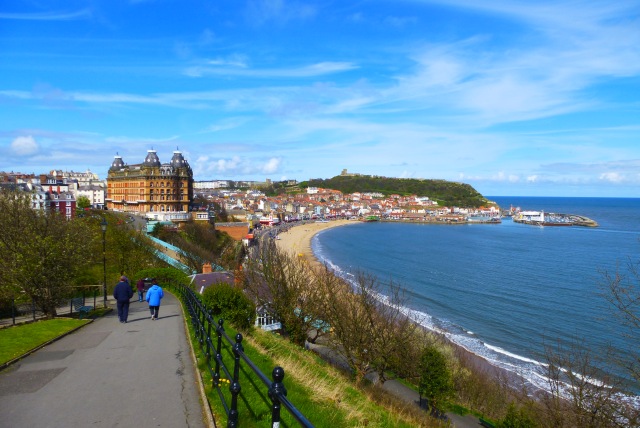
531 98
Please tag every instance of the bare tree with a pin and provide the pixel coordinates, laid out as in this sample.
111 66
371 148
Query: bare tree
581 394
622 291
285 285
369 329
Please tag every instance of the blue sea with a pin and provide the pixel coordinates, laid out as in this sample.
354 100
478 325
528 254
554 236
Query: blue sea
503 291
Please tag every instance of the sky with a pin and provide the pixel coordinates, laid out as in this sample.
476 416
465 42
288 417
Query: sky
516 98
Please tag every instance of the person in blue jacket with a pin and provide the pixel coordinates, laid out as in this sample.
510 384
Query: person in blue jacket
154 295
123 293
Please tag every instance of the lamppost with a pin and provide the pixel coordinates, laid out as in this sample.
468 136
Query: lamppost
103 226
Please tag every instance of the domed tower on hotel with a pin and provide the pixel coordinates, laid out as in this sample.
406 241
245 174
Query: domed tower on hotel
158 190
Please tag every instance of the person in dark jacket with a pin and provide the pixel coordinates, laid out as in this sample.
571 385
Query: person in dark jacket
122 293
140 287
154 295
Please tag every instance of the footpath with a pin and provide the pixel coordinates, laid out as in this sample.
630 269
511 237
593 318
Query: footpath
107 374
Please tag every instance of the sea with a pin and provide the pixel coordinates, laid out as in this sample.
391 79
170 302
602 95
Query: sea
504 291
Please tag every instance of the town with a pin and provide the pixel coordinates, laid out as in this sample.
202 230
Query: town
167 193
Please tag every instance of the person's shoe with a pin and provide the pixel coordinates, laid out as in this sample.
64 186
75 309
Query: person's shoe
152 317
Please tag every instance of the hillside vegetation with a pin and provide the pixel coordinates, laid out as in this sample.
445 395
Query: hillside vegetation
446 193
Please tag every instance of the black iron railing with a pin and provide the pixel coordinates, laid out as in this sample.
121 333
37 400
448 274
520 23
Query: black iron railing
204 325
14 312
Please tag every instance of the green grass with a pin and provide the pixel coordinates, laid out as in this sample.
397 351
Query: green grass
324 395
20 339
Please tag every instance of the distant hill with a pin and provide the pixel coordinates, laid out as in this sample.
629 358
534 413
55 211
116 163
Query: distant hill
446 193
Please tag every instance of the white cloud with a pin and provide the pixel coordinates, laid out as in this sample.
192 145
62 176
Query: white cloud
24 146
612 177
271 166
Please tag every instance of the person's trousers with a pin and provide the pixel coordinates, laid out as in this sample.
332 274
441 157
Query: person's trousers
154 311
123 310
140 296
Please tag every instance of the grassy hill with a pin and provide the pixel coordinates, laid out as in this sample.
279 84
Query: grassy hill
446 193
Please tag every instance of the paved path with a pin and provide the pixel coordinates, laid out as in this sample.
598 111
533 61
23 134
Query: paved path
108 374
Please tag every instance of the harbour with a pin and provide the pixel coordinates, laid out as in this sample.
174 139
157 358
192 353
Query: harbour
540 218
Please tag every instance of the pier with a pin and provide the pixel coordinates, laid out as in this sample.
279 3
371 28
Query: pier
540 218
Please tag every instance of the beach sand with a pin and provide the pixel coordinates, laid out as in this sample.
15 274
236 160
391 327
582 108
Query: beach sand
297 239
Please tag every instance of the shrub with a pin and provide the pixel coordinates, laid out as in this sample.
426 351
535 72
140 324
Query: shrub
230 304
435 382
164 276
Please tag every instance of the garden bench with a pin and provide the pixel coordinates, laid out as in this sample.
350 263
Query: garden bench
79 306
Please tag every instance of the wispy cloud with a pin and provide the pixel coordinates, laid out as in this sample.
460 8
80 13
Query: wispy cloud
48 16
210 167
240 69
260 12
526 77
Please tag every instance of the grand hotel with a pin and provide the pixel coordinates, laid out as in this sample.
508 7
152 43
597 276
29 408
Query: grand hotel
161 191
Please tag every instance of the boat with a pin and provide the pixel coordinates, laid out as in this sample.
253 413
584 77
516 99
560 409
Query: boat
484 219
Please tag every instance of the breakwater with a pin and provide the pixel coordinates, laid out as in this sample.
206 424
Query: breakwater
540 218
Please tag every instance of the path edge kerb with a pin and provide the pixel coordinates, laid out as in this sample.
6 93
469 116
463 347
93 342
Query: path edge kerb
206 408
31 351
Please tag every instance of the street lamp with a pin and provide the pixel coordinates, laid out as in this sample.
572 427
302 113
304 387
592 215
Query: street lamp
103 226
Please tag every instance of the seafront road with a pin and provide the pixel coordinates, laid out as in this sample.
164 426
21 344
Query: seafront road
108 374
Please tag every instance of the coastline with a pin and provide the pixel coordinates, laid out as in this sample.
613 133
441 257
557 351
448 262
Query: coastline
297 240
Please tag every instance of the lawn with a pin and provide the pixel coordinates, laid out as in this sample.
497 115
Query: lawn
20 339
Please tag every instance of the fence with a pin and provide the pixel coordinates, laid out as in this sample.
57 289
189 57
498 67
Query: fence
203 325
13 312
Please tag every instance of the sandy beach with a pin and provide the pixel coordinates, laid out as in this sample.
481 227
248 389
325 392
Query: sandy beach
297 239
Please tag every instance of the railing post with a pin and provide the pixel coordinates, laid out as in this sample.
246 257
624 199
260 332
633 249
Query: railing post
208 354
202 319
216 373
277 388
13 311
235 385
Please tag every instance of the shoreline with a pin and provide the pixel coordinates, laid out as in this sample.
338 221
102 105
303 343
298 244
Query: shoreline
297 240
